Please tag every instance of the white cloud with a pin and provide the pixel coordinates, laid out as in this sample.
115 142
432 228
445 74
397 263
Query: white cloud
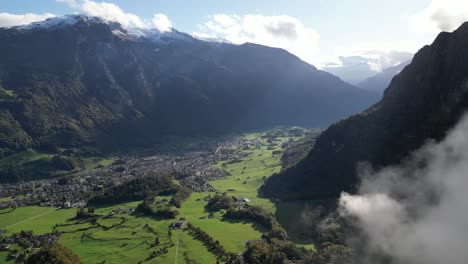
276 31
439 15
9 20
416 212
162 22
357 65
71 3
377 60
112 12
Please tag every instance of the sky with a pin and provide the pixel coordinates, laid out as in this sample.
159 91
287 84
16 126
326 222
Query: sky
322 32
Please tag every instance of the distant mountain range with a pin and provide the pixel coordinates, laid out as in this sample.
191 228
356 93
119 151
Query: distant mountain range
380 81
422 102
76 80
356 69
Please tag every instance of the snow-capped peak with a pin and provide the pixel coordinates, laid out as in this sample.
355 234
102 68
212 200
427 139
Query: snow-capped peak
158 36
59 21
153 34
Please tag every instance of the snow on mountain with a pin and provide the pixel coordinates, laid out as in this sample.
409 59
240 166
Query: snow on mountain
151 34
59 22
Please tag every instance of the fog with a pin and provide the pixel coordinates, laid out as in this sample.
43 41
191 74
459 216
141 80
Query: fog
416 212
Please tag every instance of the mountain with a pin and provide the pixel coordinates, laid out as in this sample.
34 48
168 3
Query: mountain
355 69
381 80
422 102
77 80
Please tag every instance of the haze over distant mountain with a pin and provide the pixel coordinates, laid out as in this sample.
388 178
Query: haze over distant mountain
77 79
355 69
380 81
422 102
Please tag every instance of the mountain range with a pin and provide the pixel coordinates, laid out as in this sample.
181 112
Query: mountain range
76 80
381 80
421 103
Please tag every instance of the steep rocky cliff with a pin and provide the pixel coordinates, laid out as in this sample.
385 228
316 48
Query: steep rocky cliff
421 103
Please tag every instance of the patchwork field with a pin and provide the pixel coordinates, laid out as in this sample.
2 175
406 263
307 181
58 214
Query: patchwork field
118 236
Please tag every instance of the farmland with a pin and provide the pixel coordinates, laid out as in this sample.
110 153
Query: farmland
116 234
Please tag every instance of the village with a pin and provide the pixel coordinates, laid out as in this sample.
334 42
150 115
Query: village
193 169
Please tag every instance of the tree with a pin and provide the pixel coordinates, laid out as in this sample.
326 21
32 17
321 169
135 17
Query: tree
55 254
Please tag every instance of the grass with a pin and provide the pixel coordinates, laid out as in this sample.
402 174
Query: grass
4 256
4 199
109 240
39 219
255 166
95 162
23 157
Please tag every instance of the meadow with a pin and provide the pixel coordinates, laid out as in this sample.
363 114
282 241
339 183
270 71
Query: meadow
127 238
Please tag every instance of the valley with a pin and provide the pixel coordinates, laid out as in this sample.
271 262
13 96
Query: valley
235 166
254 133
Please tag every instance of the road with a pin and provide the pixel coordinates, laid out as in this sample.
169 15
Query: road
177 246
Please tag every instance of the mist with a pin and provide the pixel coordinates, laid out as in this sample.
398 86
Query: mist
416 212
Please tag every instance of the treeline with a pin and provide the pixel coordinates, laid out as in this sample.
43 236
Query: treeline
138 189
274 247
182 194
273 251
146 208
39 169
260 216
330 249
55 254
246 212
219 202
209 242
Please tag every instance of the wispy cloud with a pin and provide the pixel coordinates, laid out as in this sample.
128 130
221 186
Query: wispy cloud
9 20
417 212
112 12
162 22
284 32
439 15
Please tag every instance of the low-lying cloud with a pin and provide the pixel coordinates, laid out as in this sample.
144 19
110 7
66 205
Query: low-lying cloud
439 15
417 212
112 12
10 20
359 65
283 31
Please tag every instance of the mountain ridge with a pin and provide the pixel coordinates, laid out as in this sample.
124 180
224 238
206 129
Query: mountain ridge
421 103
85 84
381 80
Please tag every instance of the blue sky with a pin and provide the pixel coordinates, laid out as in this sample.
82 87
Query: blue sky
322 30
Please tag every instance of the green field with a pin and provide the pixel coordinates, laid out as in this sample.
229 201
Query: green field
23 157
126 238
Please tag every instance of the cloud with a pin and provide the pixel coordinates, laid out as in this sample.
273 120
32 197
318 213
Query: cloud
358 65
162 22
71 3
417 212
112 12
276 31
376 60
439 15
9 20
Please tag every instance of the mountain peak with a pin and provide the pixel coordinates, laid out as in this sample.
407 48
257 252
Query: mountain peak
61 22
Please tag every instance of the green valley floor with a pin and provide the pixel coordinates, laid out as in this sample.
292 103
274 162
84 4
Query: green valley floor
118 236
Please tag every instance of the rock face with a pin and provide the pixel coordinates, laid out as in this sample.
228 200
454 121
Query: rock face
422 102
75 80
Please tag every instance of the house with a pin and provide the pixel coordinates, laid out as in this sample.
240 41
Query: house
177 225
241 199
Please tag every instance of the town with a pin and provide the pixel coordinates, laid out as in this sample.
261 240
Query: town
193 169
